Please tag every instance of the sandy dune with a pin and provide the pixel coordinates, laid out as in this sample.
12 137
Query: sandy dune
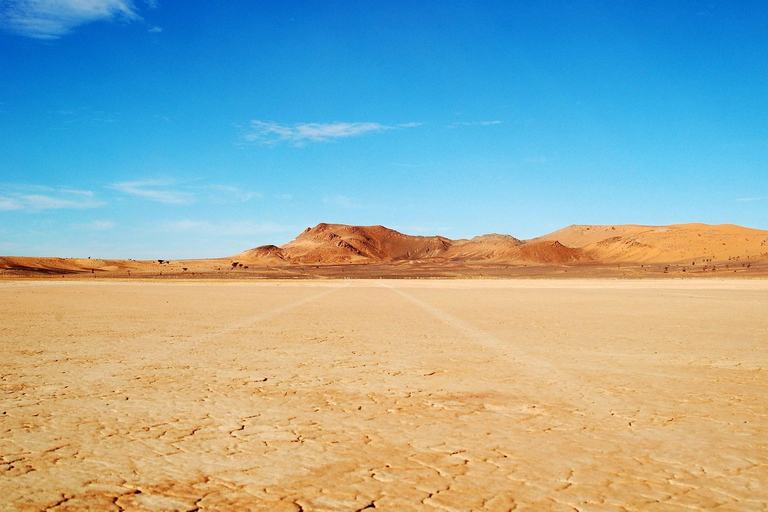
655 244
393 395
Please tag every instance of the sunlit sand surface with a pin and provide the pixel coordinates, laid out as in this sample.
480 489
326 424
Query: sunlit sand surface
391 395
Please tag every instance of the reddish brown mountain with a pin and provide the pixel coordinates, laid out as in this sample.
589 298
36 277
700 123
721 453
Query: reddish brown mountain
333 243
339 243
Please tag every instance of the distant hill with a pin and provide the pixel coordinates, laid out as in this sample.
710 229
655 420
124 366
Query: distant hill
695 245
338 243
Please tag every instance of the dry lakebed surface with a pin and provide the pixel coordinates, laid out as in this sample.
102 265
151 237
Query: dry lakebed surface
384 394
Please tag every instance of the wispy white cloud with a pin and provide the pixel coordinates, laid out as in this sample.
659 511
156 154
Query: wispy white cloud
66 118
43 202
154 190
38 198
51 19
747 199
219 229
231 194
10 203
76 192
341 201
155 30
170 191
299 133
473 123
96 225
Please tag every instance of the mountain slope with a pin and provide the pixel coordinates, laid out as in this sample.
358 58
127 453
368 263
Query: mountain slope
335 243
664 244
339 243
492 247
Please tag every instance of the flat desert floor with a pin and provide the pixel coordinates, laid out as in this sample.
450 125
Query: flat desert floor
393 395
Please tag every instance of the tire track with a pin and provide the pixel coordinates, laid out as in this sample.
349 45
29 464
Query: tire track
566 386
260 317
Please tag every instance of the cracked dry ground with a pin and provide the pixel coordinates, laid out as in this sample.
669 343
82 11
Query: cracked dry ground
408 395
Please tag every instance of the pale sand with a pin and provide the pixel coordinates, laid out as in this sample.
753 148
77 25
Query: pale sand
393 395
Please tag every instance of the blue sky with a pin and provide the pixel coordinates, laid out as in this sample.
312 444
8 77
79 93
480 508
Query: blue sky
158 129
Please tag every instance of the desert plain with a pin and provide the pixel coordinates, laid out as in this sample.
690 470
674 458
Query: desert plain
510 394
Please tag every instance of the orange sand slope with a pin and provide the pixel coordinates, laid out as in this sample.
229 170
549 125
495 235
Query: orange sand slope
602 395
657 244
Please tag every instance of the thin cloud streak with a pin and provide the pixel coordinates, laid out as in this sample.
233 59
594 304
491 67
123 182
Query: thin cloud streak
86 193
341 201
97 225
37 198
151 191
225 229
225 194
52 19
173 192
473 123
299 133
43 202
8 204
